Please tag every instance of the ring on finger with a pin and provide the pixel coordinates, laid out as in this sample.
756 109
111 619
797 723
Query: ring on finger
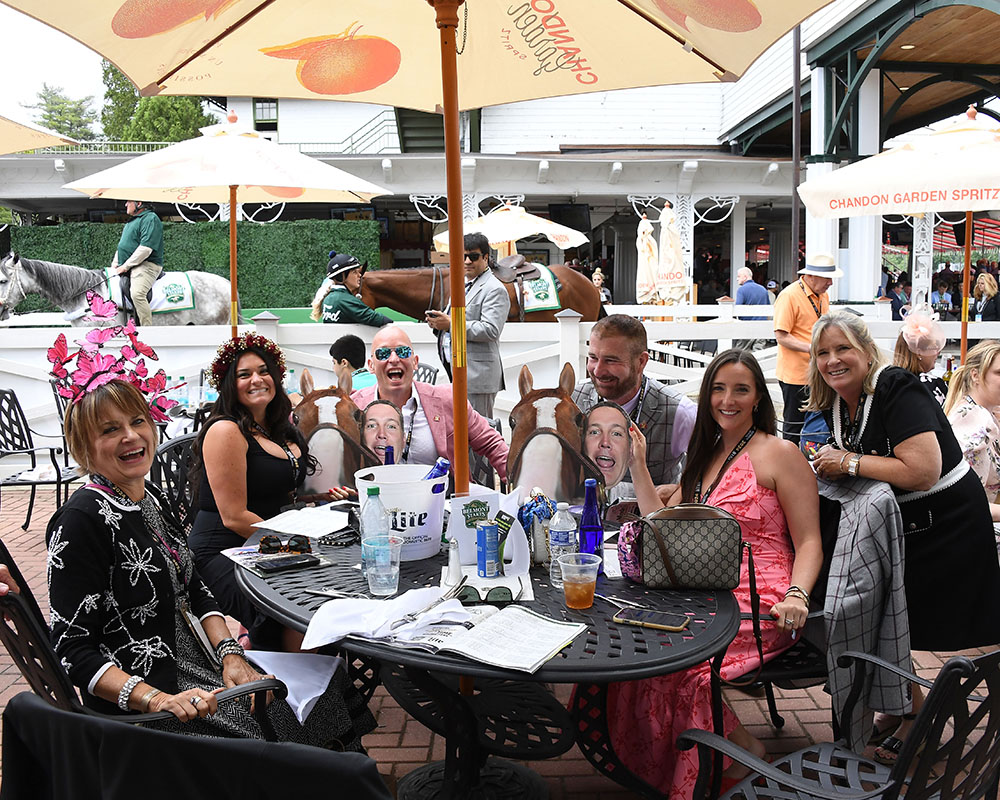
195 700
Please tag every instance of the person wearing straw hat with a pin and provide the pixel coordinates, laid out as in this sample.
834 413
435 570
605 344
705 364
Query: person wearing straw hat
337 299
796 310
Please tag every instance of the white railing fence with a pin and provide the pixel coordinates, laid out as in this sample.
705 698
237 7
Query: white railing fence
542 347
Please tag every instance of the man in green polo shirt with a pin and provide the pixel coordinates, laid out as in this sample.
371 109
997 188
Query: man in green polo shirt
140 252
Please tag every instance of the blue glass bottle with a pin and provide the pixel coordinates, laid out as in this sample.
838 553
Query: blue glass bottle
441 467
591 529
390 455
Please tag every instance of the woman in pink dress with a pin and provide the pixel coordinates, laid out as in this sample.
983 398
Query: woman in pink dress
737 463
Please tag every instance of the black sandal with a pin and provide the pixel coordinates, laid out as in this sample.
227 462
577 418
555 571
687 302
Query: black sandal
888 750
879 735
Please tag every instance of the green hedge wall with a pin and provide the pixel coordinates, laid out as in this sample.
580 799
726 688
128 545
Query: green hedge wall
281 264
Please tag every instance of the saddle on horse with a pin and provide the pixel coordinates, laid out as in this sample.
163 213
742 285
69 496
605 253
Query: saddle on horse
514 269
127 306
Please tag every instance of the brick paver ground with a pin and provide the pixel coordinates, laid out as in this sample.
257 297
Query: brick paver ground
400 744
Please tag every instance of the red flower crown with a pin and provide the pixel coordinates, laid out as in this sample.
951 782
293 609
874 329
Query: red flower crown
95 369
230 351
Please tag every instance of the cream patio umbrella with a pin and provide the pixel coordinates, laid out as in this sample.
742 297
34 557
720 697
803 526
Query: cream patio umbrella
385 51
509 223
227 164
954 169
16 136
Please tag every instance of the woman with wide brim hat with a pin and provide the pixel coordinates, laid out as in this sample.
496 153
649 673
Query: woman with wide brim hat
337 299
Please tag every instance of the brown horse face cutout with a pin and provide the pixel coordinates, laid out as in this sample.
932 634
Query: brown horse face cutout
545 442
330 422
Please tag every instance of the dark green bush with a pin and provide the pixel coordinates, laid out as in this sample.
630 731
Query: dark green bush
280 264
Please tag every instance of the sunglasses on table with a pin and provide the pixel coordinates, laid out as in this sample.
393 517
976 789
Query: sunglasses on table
273 544
470 595
404 351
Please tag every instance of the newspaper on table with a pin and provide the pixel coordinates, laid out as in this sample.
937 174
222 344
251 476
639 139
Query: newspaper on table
513 637
313 521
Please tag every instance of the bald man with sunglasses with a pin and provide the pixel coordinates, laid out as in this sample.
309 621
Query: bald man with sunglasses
428 418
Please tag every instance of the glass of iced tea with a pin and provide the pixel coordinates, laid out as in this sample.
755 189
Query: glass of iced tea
579 571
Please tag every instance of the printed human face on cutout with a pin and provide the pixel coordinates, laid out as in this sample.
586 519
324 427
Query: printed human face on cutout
606 442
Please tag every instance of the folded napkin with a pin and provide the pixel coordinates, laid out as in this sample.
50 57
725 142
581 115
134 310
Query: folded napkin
372 619
307 676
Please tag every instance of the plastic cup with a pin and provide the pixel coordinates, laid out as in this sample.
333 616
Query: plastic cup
579 573
381 559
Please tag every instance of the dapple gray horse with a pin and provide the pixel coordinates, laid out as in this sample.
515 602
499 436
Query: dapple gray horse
66 286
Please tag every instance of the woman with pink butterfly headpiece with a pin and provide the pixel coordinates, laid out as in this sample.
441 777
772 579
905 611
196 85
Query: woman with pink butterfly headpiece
133 621
918 346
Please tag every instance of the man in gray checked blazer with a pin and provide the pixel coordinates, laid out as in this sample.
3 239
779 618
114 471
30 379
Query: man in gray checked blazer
616 357
487 305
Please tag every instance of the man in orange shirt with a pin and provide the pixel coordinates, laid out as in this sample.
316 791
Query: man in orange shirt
796 310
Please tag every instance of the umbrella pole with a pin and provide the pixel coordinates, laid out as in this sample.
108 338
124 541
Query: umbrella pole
232 260
965 284
447 23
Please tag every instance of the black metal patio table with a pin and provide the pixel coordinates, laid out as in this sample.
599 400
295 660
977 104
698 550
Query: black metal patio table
509 713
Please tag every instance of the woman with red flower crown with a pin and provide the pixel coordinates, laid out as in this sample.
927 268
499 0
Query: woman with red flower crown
248 461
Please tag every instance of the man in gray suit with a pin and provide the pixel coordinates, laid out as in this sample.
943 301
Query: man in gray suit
616 357
487 305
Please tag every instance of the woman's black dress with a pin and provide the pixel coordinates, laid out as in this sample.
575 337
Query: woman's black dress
952 576
270 485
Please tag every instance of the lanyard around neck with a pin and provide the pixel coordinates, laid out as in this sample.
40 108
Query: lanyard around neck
292 459
638 403
698 497
802 286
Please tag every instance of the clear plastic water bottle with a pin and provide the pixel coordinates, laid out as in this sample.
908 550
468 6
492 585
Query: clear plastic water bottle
441 467
374 520
591 529
291 387
562 540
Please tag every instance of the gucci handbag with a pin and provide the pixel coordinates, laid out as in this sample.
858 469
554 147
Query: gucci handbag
689 546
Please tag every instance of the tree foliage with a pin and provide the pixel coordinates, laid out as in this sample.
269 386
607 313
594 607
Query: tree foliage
120 99
59 113
126 117
167 119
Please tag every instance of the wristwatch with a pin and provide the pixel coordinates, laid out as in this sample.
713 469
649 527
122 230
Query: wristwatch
852 466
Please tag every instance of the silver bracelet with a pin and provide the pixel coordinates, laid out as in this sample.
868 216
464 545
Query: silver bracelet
229 647
126 691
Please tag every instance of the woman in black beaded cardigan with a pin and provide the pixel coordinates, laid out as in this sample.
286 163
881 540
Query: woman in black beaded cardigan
121 579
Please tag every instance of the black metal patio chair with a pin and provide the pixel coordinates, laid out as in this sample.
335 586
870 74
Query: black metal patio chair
481 469
26 637
170 470
16 439
952 750
425 373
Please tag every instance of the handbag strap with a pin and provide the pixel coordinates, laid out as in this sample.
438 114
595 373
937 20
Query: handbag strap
749 680
663 554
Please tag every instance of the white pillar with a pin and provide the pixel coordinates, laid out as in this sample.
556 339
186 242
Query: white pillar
737 242
821 234
865 233
923 251
569 340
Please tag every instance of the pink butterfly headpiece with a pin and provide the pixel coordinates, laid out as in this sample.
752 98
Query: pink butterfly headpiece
230 351
94 368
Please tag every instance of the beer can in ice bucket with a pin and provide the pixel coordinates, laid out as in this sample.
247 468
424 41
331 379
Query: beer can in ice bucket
487 549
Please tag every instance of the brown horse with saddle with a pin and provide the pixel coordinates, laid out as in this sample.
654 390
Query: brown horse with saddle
414 291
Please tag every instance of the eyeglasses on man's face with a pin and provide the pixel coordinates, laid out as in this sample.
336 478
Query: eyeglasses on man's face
473 257
404 351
